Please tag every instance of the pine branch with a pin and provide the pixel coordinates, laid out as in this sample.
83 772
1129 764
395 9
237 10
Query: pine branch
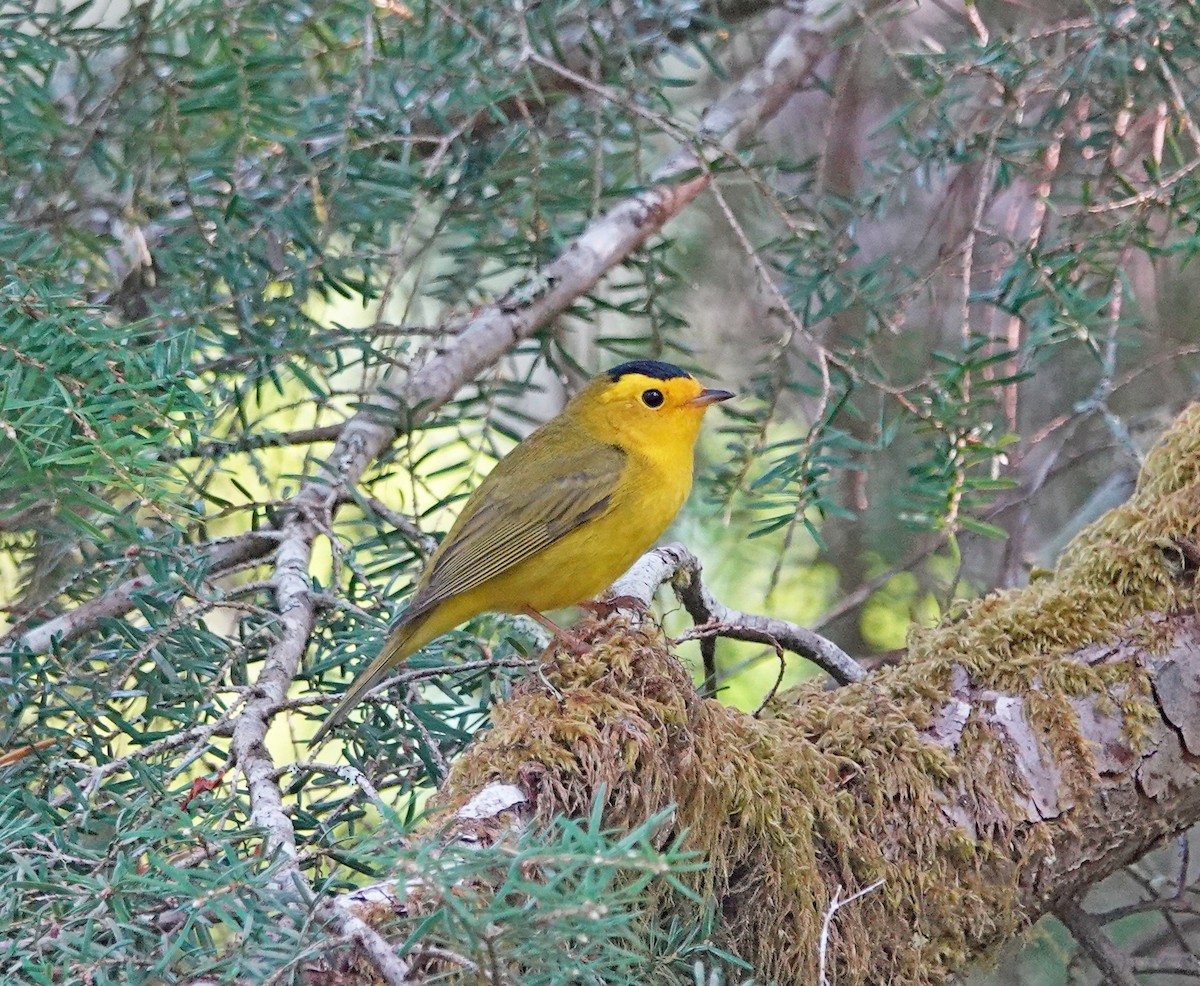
220 557
400 404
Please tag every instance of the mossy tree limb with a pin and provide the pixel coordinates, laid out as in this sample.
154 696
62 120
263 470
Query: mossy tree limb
1020 753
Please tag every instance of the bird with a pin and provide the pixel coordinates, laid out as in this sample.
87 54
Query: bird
562 515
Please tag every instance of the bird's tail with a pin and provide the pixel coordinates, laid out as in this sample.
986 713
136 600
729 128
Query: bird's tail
401 642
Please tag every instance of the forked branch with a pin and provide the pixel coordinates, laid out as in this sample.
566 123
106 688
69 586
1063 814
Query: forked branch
675 564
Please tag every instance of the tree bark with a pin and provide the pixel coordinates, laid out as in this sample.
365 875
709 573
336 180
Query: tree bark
1019 754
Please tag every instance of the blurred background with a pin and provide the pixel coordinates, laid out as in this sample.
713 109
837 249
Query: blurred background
947 270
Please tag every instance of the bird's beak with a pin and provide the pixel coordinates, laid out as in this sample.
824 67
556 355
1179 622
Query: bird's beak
706 397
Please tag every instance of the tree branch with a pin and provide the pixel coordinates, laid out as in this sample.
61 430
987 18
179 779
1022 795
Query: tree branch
675 564
1106 957
293 594
1021 753
220 556
740 113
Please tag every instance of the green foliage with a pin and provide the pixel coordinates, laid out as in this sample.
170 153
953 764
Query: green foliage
85 403
571 886
222 225
136 887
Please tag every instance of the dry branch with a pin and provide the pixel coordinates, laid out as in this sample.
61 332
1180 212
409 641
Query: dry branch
739 114
1113 964
675 564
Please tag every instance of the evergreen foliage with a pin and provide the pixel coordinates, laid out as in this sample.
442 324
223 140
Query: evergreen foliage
951 281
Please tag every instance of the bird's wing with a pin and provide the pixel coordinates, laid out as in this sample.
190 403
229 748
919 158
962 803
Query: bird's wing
529 501
526 504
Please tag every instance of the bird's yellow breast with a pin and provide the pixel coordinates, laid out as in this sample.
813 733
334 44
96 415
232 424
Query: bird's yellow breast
585 562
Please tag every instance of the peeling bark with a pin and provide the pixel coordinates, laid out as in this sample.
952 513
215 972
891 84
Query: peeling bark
1144 791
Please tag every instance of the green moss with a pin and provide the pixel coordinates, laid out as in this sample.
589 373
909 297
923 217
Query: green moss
831 791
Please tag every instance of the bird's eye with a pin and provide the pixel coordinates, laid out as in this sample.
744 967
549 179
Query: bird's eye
652 398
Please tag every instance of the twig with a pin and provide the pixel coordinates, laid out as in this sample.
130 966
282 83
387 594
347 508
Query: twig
249 443
865 589
675 564
1168 965
435 753
836 905
425 543
1185 857
394 970
762 92
346 772
1175 905
1085 929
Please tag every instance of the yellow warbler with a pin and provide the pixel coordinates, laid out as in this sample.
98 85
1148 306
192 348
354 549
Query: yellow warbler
563 514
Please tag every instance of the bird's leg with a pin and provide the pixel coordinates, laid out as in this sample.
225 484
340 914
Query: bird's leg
576 646
610 605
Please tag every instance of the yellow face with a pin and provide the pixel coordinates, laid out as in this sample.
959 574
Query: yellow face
649 406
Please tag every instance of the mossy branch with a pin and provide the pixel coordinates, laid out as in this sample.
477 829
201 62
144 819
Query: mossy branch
1018 755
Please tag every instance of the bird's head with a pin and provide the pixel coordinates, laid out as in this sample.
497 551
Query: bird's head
646 405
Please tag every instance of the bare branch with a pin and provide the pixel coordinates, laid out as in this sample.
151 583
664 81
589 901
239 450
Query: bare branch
675 564
248 443
115 602
248 746
1085 929
762 92
388 964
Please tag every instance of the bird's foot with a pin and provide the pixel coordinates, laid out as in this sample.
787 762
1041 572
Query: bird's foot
612 604
573 643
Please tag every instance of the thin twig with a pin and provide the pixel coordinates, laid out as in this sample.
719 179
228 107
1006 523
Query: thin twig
835 905
248 443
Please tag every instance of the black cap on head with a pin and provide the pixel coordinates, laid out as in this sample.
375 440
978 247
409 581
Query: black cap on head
647 368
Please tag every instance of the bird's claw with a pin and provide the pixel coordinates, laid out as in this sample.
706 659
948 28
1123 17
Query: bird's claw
612 604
